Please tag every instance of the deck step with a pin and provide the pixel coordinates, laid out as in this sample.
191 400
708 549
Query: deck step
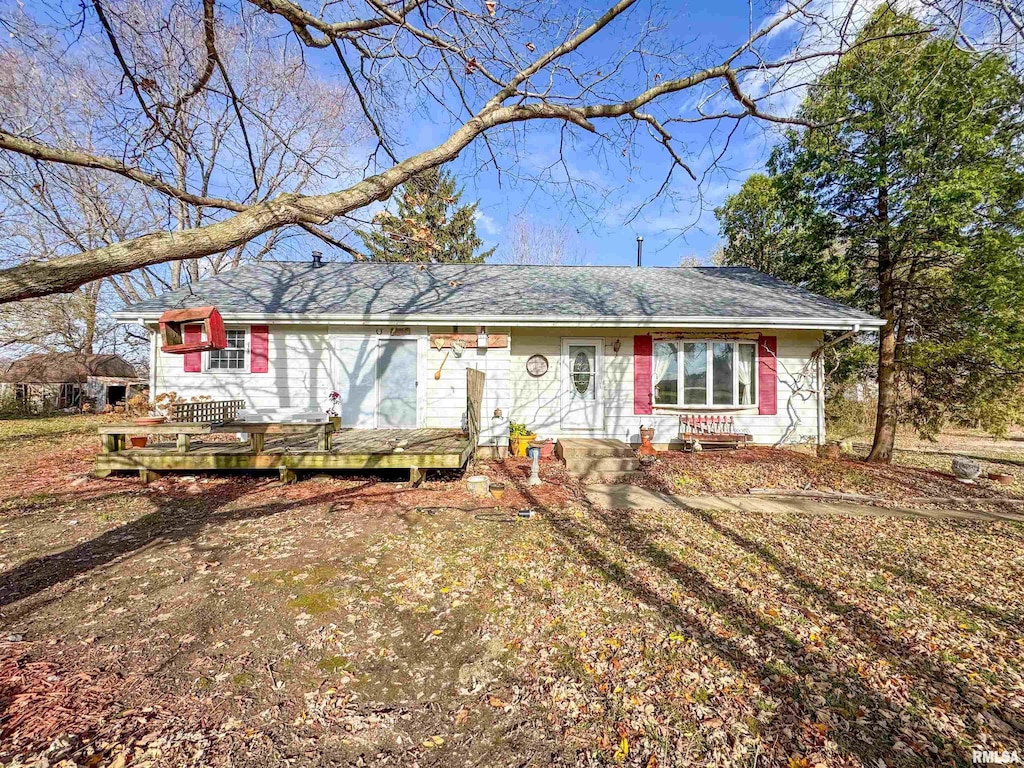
574 447
587 465
607 477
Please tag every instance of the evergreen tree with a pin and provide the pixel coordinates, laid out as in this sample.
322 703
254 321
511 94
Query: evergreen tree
429 226
917 164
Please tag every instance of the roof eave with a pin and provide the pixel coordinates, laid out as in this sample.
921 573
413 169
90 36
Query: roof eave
527 321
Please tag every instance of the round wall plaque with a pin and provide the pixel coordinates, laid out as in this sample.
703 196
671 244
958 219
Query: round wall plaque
537 365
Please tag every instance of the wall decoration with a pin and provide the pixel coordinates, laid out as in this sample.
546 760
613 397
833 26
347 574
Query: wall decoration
470 340
537 366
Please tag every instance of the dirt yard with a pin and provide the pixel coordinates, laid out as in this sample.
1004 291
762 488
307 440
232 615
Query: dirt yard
211 621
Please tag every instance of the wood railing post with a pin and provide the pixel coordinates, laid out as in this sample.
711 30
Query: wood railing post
323 442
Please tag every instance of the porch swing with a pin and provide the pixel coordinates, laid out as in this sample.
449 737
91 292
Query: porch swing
182 331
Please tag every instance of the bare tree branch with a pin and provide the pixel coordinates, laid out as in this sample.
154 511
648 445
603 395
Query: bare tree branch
38 151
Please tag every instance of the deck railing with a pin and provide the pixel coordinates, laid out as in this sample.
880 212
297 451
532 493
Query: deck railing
206 411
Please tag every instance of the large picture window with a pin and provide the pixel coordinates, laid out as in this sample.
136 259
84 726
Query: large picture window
712 373
232 358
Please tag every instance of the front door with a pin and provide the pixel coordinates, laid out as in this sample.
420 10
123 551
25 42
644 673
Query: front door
581 384
396 376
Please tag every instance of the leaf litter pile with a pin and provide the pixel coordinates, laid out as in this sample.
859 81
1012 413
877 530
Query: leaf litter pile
355 621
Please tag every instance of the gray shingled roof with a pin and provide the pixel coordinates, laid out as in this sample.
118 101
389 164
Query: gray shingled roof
454 291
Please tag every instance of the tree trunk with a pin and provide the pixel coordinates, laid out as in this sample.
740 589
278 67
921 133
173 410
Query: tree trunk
888 390
89 310
888 395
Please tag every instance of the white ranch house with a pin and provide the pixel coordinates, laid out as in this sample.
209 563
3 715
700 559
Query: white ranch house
570 351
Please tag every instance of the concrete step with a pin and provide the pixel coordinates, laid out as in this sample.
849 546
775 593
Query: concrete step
589 465
573 447
608 477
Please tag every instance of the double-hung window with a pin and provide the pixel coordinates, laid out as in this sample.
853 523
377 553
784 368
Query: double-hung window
233 357
705 373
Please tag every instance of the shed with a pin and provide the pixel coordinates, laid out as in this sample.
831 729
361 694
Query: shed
68 380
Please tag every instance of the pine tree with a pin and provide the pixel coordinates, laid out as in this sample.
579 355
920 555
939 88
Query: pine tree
429 225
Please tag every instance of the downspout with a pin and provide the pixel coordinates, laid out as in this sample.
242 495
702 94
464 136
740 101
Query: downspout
153 358
821 398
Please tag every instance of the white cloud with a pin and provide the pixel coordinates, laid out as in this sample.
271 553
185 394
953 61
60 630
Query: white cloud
490 227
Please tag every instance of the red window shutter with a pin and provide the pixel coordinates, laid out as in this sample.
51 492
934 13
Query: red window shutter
767 376
193 360
643 401
259 346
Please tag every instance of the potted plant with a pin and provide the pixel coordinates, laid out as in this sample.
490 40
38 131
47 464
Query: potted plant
519 438
143 413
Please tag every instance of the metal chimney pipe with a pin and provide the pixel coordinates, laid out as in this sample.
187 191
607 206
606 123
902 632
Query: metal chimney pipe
639 250
318 259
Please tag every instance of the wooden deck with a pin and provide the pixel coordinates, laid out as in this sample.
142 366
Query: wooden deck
351 449
288 446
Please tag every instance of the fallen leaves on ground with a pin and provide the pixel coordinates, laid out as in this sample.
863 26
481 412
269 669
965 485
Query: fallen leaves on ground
735 472
219 621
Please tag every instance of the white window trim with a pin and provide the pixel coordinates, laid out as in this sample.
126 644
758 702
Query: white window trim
709 384
246 355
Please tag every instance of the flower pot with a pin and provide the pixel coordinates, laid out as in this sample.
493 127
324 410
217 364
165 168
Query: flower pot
148 421
478 485
138 441
519 444
1001 477
497 490
335 422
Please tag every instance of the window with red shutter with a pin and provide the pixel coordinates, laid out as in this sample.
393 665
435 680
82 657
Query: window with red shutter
259 348
642 401
767 375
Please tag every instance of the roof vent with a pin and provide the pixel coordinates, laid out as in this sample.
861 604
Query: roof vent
318 259
639 250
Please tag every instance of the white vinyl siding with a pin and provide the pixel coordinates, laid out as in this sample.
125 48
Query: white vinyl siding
307 362
446 395
298 375
536 400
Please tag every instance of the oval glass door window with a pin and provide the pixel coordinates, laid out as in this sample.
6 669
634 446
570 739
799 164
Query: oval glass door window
582 373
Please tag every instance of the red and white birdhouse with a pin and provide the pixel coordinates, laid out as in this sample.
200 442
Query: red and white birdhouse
192 330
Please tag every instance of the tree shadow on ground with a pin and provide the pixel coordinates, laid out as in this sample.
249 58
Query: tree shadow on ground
818 682
176 518
897 652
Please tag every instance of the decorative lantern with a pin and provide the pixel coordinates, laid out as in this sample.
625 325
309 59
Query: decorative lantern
183 330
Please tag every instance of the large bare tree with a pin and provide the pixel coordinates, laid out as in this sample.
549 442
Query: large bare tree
621 74
296 135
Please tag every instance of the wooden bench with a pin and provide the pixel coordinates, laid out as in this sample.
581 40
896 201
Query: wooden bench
712 431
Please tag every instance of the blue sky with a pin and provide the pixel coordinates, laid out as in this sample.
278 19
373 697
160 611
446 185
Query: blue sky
680 224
